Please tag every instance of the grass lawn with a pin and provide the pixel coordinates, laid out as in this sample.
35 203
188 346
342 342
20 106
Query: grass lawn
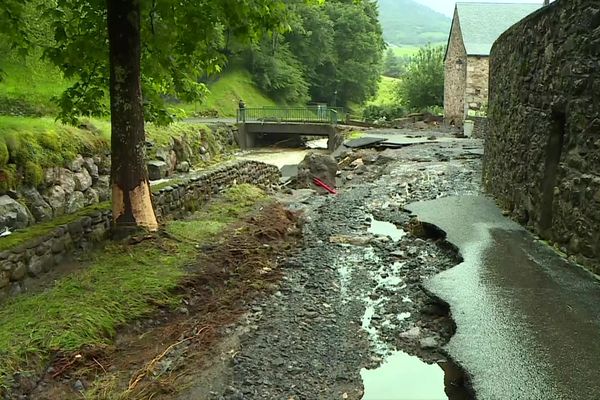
29 86
405 51
119 284
386 92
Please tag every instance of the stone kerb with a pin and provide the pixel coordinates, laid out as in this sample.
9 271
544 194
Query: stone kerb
30 260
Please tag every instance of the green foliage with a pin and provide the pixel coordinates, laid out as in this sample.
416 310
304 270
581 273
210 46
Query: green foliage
331 53
387 112
3 153
394 66
8 178
33 174
406 22
277 72
423 83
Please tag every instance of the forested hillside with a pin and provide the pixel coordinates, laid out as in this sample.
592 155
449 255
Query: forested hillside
406 22
332 53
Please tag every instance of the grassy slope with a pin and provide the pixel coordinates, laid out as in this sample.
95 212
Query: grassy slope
30 84
405 51
227 91
385 92
120 284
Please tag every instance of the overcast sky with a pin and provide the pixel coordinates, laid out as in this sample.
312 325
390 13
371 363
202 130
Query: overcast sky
447 6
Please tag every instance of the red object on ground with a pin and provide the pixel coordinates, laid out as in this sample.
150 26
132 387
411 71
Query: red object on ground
319 182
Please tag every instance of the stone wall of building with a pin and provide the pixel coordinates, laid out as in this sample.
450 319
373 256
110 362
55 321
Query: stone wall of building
30 260
542 152
455 67
476 93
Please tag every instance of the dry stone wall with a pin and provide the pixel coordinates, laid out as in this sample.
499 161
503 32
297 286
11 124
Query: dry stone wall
542 150
20 265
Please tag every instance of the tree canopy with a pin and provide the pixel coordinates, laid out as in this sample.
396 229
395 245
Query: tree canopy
331 53
422 84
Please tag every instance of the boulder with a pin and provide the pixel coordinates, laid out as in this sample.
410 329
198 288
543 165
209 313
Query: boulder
83 180
92 169
320 166
103 164
183 166
55 196
66 180
182 149
77 164
40 209
169 157
91 197
13 214
75 202
102 187
157 170
4 278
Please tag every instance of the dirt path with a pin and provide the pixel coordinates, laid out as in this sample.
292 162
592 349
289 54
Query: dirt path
352 297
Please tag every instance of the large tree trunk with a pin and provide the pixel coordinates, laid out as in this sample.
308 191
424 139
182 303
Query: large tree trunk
131 197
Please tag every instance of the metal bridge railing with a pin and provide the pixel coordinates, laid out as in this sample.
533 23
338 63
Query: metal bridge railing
311 114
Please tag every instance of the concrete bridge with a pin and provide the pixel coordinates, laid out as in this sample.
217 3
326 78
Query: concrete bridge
301 121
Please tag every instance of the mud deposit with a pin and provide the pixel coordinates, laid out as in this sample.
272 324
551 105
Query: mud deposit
350 319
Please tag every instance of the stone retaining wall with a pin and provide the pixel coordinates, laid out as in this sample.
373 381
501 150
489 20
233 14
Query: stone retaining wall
85 181
542 153
30 260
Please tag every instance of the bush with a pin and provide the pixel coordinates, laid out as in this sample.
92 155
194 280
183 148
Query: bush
3 153
8 179
33 174
376 112
422 85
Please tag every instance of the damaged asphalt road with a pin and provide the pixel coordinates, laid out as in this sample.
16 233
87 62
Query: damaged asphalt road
351 301
452 302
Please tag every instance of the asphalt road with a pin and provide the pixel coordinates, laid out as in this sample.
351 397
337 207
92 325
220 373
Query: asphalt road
528 323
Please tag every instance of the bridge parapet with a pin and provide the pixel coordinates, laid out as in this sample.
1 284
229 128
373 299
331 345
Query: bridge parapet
311 114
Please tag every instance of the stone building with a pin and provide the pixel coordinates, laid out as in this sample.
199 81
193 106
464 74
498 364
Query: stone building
475 27
542 150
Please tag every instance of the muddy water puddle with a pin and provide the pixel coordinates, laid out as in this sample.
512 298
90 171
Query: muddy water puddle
406 377
402 376
384 228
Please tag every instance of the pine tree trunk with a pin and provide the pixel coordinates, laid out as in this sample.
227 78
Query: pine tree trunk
131 197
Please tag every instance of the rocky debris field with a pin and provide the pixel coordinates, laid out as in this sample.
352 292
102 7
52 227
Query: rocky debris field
352 296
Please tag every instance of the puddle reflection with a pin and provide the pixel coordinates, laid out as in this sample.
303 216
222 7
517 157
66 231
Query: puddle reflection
405 377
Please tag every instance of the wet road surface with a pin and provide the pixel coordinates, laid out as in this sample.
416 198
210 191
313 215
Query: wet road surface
528 323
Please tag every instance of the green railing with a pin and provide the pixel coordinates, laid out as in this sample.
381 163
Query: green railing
311 114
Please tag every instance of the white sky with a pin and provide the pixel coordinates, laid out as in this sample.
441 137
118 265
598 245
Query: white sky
447 6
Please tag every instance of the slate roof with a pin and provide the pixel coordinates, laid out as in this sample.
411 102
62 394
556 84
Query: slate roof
482 23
